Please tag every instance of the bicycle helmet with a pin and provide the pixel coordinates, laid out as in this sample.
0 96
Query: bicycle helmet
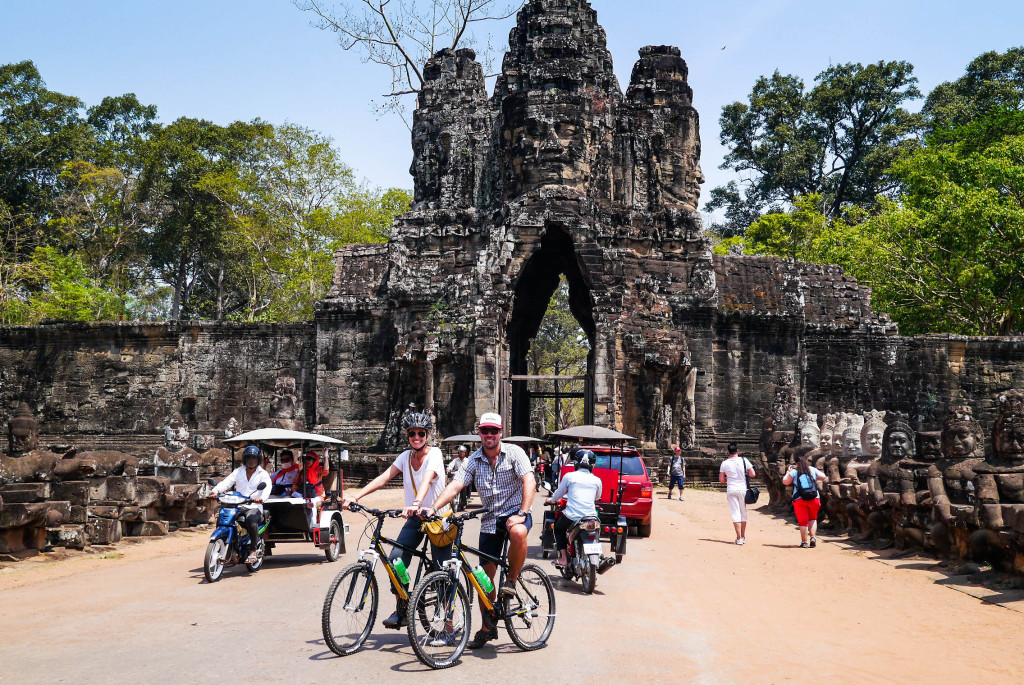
585 459
417 420
251 451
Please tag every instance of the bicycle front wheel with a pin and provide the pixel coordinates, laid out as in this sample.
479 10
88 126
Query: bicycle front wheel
350 609
439 620
530 615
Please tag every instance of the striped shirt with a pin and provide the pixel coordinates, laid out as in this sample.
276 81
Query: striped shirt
501 487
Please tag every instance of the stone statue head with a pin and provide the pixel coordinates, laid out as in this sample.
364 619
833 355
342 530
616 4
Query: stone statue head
852 436
23 430
871 435
1008 431
550 139
842 422
828 427
232 428
808 431
176 433
929 445
898 441
961 434
282 402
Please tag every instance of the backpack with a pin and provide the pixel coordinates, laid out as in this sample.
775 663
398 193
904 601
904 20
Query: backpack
804 493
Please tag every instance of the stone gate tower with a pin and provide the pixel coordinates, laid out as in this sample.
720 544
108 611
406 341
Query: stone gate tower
557 173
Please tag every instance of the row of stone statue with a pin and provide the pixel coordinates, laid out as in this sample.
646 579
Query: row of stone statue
947 491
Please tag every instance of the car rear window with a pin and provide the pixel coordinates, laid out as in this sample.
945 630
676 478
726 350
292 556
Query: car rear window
631 466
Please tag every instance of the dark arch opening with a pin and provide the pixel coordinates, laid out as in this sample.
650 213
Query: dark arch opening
536 284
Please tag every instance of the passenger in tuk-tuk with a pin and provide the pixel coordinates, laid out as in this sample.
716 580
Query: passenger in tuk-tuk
309 483
423 475
284 477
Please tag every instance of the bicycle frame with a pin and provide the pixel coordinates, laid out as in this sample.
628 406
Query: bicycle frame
377 542
459 554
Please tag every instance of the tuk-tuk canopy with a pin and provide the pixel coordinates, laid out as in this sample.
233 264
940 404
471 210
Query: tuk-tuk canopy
462 438
524 439
282 439
589 433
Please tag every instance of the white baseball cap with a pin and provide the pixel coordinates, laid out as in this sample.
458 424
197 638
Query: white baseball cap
491 420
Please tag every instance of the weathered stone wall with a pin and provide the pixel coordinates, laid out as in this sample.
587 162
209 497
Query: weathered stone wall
128 378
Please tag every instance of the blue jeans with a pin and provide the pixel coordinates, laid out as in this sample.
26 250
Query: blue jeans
411 536
676 480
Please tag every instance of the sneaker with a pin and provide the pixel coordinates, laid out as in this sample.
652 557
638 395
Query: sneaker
739 541
482 637
443 640
681 498
742 541
805 544
395 621
507 590
814 542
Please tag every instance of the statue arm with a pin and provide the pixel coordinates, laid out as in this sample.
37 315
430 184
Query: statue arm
941 509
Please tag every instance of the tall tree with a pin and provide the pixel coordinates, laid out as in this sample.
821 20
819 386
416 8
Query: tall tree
836 140
992 81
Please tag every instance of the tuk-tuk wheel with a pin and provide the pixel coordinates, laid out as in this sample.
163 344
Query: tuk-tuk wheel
333 549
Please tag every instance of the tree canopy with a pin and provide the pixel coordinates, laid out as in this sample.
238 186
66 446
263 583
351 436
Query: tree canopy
105 213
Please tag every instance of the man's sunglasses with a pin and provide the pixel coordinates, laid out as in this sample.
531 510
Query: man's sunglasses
489 431
417 434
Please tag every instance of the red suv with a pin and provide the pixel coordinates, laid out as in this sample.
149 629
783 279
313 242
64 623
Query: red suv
637 494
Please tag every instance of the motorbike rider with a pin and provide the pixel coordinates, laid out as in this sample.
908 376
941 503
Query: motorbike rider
245 480
422 469
582 489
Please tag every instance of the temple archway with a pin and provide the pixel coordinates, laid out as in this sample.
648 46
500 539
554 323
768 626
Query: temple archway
537 283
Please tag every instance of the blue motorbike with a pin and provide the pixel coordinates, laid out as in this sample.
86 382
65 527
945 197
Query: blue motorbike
230 543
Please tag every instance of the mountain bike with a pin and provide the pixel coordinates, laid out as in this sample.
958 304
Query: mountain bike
350 607
440 618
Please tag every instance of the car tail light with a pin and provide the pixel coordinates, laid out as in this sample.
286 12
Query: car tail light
646 491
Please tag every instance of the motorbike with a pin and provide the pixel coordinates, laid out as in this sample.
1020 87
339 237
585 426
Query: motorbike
540 472
585 558
229 543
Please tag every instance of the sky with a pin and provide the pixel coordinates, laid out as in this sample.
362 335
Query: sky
229 60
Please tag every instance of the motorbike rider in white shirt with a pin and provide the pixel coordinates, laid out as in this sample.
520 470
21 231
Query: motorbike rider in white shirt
582 489
245 480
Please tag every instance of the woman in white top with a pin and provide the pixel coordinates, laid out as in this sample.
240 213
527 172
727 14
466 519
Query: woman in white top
422 469
733 473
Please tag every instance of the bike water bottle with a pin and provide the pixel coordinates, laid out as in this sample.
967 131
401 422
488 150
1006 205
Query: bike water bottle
481 577
402 571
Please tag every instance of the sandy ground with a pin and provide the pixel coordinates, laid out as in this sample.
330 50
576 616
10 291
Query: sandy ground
686 605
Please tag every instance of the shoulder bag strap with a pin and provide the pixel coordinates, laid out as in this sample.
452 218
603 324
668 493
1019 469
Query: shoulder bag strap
743 465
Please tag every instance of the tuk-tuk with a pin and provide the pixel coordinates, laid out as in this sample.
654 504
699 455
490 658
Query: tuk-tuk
305 516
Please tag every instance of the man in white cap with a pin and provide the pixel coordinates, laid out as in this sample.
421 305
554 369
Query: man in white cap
502 474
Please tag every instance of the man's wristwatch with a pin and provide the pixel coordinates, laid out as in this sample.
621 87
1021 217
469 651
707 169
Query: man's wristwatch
522 513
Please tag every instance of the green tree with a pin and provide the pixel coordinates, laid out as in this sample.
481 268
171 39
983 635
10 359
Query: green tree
836 140
992 81
65 290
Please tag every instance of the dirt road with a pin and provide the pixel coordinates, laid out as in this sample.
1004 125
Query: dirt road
687 605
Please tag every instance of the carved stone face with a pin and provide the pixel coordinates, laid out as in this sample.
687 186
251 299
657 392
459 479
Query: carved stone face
809 438
23 430
959 441
837 445
873 442
1009 440
826 442
851 446
929 445
899 445
548 142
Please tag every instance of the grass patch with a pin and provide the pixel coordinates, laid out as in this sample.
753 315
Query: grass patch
112 555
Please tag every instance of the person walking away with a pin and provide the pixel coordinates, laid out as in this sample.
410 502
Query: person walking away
502 475
733 473
806 498
677 472
582 489
422 469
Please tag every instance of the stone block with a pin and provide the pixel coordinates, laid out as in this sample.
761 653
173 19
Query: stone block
74 469
150 490
121 488
105 511
153 528
25 492
70 536
102 531
12 540
18 514
57 513
77 492
79 514
131 513
178 494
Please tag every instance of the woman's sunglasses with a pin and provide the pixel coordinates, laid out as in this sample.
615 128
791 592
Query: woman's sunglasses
417 434
489 431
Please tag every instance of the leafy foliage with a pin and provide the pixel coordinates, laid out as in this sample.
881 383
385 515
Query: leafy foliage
993 81
837 140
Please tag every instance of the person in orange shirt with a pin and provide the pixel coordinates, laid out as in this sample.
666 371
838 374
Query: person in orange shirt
310 484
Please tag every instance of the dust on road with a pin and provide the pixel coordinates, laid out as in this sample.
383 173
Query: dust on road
686 605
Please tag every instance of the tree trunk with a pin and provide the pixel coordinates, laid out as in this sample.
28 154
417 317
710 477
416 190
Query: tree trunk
179 285
220 293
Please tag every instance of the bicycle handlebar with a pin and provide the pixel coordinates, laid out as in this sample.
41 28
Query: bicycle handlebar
355 507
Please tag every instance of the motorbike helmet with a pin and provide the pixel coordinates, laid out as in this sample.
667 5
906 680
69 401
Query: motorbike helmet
251 451
585 459
417 420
